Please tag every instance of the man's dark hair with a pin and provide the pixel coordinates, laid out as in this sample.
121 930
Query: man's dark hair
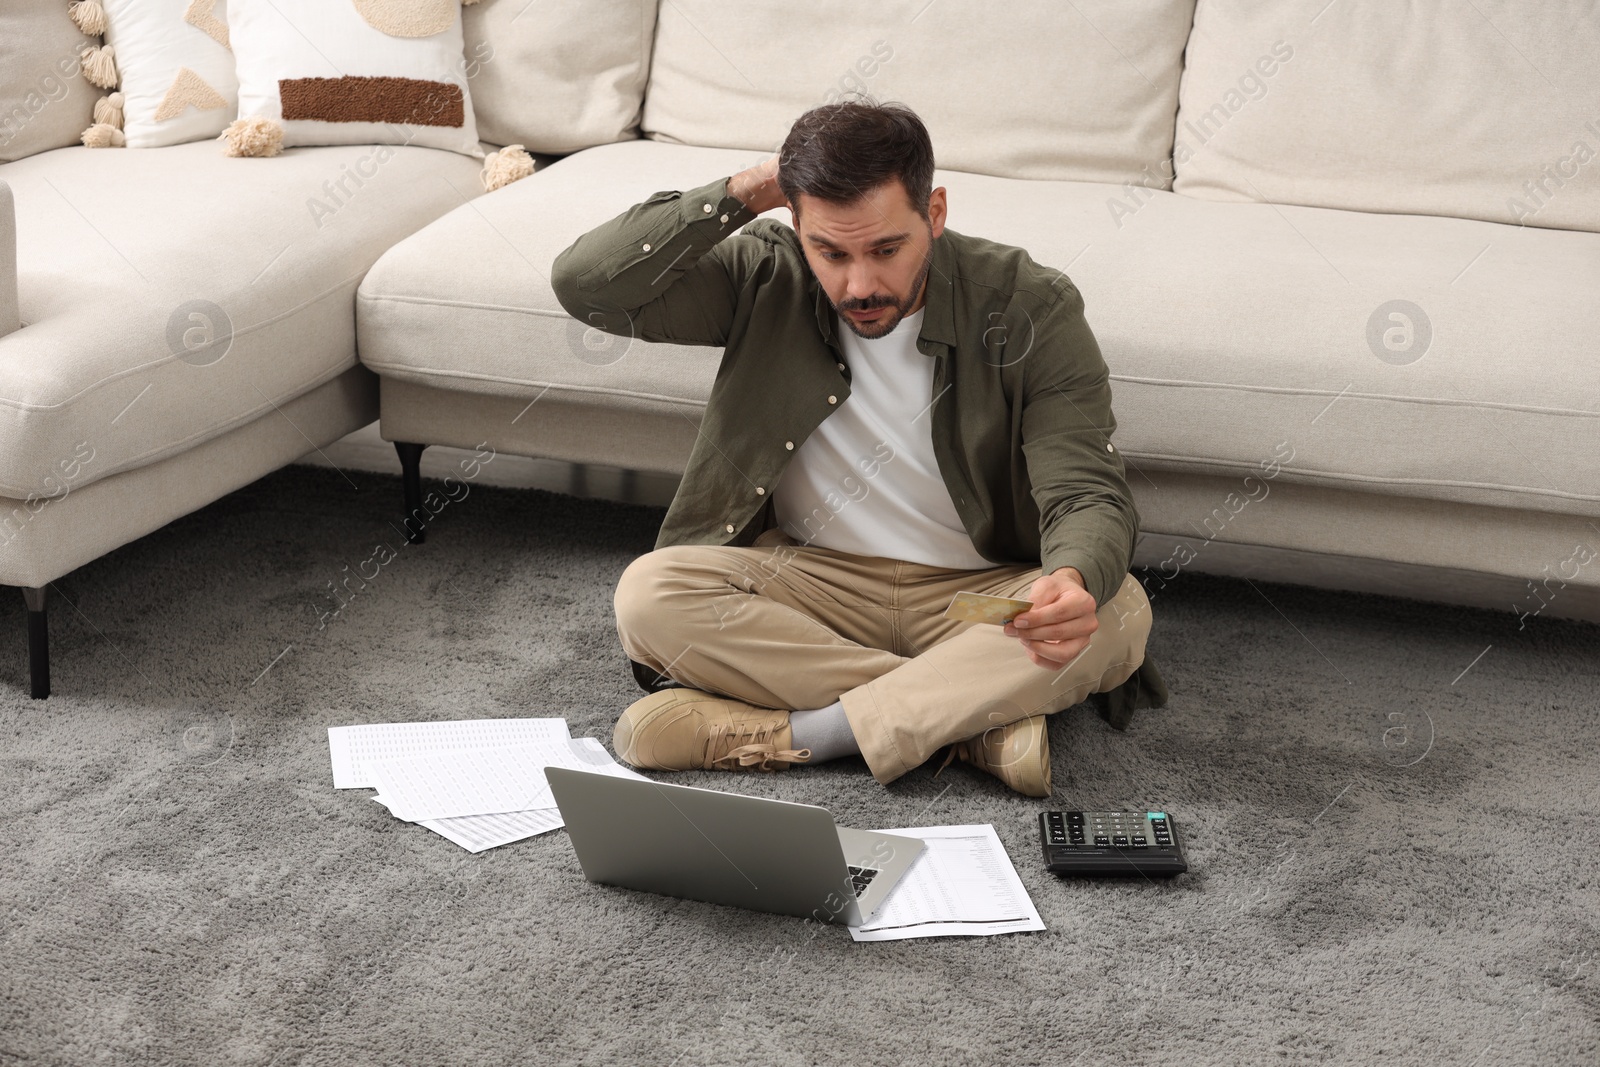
839 152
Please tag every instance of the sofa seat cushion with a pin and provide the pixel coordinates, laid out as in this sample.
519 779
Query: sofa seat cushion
466 302
1244 339
130 261
1404 354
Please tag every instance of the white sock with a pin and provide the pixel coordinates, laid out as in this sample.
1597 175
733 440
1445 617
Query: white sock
825 731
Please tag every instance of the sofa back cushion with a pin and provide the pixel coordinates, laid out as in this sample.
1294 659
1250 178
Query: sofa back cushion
558 75
45 102
1035 89
1484 110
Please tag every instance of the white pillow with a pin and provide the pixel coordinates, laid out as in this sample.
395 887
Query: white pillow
325 72
176 69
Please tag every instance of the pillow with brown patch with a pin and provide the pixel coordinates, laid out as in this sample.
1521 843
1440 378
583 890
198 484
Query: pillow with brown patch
324 72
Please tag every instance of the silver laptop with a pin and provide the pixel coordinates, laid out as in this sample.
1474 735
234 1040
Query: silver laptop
766 855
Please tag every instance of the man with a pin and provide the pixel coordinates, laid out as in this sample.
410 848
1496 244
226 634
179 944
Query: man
901 413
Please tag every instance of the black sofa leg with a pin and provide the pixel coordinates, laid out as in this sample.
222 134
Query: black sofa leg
411 477
38 641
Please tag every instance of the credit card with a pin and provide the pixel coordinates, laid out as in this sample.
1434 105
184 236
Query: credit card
980 607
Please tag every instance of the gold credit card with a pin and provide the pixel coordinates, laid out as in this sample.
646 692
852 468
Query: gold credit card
980 607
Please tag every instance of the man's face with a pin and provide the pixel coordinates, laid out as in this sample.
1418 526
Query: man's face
871 256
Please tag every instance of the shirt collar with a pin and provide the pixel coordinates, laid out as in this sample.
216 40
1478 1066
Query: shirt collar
939 324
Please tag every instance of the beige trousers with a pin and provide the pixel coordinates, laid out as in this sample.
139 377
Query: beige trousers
784 625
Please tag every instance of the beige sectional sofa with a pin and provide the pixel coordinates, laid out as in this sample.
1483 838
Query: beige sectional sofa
184 322
1341 259
1351 340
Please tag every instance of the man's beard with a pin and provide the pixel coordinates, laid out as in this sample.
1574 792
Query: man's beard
886 325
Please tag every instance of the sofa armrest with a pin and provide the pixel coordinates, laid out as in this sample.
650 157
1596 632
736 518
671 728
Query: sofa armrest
10 315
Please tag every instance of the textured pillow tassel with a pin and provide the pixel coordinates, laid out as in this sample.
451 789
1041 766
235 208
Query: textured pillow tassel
103 135
100 66
253 137
108 111
89 17
510 164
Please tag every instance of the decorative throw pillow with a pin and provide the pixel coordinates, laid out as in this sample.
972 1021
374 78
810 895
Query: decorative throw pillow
323 72
173 70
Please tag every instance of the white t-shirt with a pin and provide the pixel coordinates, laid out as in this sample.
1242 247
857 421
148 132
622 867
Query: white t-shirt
866 481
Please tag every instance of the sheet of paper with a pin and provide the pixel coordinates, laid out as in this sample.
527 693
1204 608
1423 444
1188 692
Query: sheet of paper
350 747
962 885
592 756
478 833
481 781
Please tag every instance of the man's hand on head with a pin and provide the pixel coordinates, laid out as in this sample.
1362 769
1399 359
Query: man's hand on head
1056 630
758 186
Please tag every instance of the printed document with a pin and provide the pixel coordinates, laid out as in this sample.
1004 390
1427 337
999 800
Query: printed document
963 885
350 747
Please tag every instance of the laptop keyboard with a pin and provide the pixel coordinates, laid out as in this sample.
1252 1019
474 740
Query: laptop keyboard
861 877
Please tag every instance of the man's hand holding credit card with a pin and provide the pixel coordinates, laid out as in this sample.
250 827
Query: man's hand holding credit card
1054 624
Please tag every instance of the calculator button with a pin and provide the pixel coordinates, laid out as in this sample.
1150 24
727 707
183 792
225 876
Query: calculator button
1120 839
1101 839
1139 842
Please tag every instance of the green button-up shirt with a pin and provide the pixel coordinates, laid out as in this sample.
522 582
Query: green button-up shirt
1021 399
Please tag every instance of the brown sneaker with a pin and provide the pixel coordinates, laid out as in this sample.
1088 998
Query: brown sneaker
1017 754
686 729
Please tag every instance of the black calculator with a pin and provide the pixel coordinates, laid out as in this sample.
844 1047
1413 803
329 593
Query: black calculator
1111 842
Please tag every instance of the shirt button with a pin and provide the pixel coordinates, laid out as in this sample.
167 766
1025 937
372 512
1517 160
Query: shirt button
729 527
724 218
646 246
760 491
833 400
1109 448
789 445
709 209
841 366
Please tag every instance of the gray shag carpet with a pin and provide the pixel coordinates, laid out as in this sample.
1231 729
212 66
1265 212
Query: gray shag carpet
1390 810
